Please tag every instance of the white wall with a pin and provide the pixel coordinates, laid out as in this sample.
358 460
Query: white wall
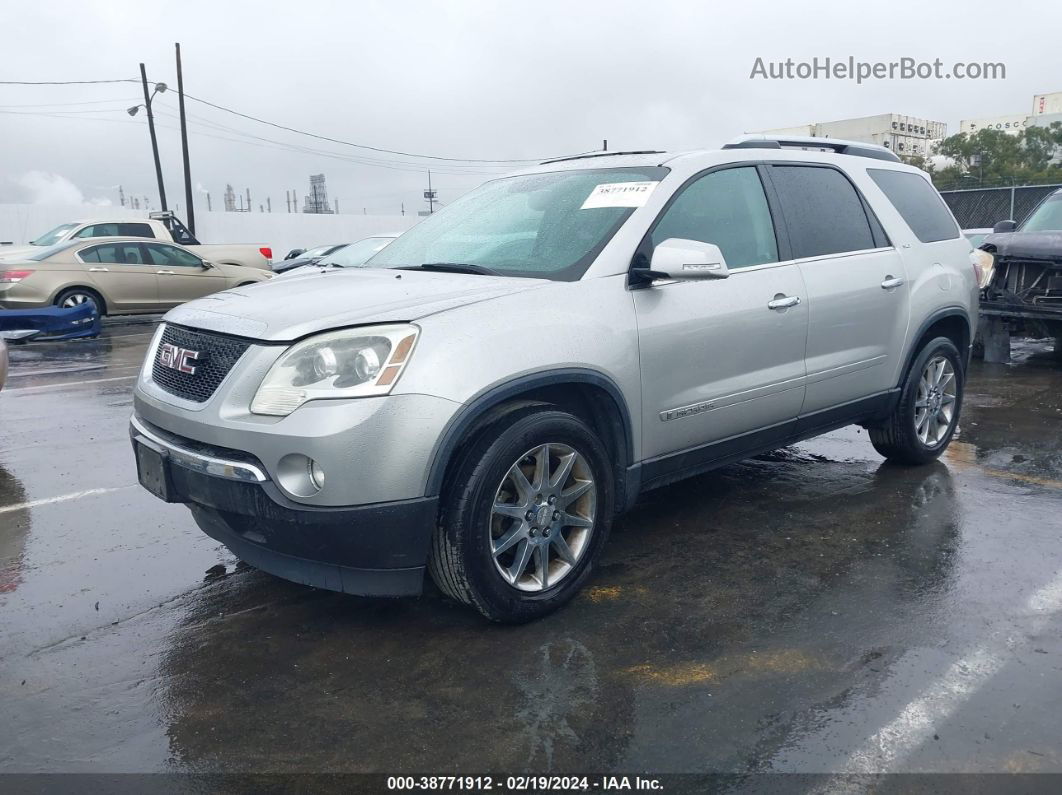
20 223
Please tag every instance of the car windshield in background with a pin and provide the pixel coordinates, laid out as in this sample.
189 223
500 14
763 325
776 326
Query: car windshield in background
1046 218
317 251
548 226
52 237
976 238
357 253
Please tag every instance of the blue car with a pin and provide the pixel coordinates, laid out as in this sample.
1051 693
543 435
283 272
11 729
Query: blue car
52 323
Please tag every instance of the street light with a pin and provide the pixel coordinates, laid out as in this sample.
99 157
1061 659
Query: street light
160 88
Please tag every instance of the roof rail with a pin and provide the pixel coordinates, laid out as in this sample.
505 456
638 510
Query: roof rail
841 147
602 154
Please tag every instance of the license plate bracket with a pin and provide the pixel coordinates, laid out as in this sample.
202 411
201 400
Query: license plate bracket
153 470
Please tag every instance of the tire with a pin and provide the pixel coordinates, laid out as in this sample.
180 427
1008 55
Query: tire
916 433
474 542
74 296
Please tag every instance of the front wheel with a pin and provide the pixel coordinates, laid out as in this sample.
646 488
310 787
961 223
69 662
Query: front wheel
924 420
525 516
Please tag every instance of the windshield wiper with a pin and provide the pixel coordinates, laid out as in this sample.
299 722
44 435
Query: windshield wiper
453 267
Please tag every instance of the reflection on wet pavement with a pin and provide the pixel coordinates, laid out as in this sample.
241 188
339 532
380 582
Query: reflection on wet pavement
812 610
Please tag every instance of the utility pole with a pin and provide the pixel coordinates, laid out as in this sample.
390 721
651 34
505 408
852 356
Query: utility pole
429 194
154 140
184 146
604 145
269 204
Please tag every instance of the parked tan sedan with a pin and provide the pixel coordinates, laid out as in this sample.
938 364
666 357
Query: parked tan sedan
122 276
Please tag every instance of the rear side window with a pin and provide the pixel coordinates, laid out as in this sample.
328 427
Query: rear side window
135 230
113 253
918 203
727 208
823 211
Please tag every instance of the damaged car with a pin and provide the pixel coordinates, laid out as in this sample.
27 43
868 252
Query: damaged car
1021 277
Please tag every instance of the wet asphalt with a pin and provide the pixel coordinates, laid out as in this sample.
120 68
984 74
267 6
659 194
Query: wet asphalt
814 610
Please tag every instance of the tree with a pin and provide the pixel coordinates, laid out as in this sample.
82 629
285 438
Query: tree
993 157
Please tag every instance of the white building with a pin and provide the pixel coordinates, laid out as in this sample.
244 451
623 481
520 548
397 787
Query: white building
1012 124
905 135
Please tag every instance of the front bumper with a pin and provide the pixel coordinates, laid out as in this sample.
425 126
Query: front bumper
378 549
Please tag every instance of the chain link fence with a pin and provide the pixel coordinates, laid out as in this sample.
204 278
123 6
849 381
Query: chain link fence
984 207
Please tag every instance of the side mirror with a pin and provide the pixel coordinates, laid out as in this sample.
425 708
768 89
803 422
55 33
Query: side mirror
676 258
207 265
1005 226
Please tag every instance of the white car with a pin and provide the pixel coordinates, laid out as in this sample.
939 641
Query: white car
353 255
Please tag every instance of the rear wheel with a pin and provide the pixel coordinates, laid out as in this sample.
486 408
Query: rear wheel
525 516
76 296
924 420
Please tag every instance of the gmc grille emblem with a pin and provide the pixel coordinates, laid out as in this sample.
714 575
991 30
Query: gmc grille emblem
177 358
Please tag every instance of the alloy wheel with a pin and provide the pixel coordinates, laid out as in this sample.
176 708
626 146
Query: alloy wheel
935 404
542 517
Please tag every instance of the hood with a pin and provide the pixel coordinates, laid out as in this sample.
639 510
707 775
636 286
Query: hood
285 309
18 252
1026 245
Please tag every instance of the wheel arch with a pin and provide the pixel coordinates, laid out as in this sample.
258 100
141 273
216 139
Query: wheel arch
588 394
88 288
952 322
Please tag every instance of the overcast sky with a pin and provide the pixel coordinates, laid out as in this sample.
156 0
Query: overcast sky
483 80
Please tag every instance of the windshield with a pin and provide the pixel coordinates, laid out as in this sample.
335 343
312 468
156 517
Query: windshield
1046 218
357 253
317 251
51 238
547 226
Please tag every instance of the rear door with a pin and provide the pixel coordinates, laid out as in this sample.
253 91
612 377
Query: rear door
119 272
717 361
182 275
858 297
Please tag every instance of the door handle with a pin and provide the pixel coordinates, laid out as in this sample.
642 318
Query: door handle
165 273
891 283
99 270
784 302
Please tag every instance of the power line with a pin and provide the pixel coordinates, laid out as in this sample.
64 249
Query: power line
224 109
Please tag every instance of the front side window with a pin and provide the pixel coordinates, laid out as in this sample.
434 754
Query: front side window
824 213
727 208
171 256
918 202
1045 218
547 226
98 230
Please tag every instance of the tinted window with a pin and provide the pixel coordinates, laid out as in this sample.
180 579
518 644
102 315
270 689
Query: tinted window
114 253
918 203
727 208
171 256
823 212
135 230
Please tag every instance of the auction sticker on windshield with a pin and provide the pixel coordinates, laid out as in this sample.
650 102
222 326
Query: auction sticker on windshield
619 194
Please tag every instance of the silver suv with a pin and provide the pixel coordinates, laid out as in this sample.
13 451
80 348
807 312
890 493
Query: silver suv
497 384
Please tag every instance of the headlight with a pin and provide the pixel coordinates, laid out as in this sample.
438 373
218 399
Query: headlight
984 264
356 362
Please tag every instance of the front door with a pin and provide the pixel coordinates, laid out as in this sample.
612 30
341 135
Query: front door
722 358
182 275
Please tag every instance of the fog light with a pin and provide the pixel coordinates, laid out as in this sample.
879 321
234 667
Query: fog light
300 475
